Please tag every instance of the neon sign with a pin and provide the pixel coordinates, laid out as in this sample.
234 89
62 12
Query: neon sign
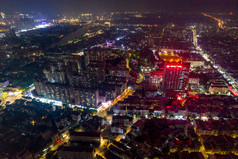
174 66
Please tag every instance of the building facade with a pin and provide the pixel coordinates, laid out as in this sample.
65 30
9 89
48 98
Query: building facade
175 76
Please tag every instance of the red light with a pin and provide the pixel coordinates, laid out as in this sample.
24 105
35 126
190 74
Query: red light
174 66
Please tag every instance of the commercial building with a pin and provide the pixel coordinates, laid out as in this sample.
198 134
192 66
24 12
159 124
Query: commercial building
175 76
218 86
156 78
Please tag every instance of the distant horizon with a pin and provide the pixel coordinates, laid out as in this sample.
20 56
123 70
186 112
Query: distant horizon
78 13
54 7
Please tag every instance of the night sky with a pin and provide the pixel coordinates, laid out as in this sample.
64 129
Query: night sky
95 6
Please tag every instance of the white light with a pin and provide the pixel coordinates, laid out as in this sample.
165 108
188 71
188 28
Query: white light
106 104
179 117
37 27
204 118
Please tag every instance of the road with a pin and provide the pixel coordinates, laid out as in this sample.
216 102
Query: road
219 22
14 94
105 144
104 107
11 96
226 76
119 137
101 149
64 139
35 28
102 112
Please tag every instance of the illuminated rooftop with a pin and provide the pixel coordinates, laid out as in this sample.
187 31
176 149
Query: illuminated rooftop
170 57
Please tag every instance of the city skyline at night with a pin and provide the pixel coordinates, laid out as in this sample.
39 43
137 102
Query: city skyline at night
129 79
55 7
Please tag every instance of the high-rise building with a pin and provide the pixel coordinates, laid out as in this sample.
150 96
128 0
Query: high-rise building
80 77
175 76
55 75
95 55
74 64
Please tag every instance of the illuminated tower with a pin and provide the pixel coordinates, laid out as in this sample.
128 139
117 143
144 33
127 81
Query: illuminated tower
175 76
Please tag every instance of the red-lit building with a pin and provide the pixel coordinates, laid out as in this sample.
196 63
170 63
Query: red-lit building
175 76
156 77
